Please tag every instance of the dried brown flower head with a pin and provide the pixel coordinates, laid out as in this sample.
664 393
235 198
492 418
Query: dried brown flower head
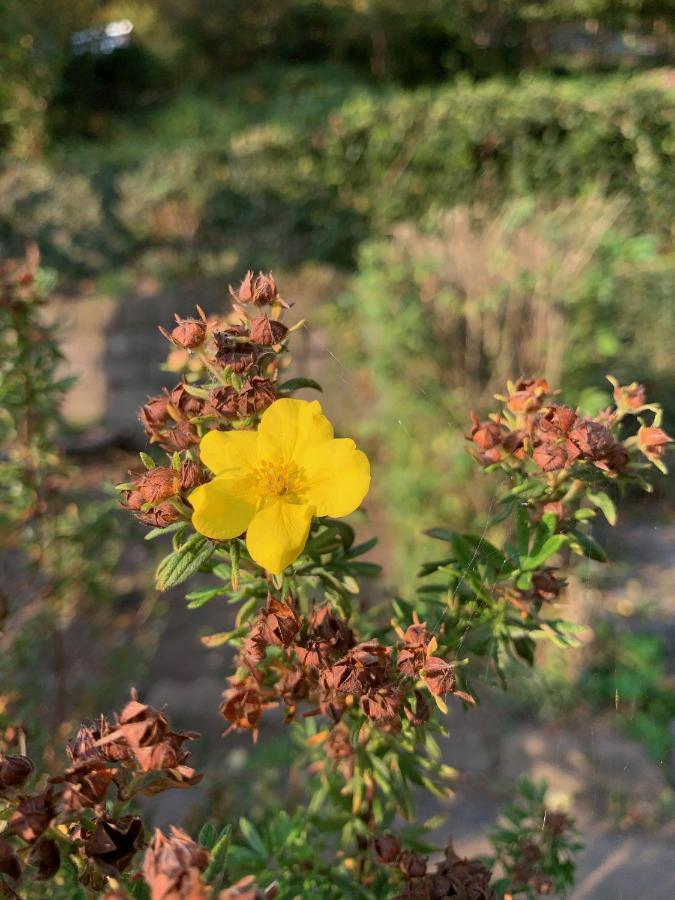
653 442
260 289
255 396
268 332
188 333
46 858
223 401
172 867
114 842
33 816
14 771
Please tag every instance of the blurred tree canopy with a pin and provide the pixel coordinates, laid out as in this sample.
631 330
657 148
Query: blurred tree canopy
407 42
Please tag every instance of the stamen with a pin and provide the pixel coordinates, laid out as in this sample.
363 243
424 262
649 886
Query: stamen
277 478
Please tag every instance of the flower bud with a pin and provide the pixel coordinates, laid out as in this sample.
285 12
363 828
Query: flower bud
261 290
629 398
189 333
157 484
159 517
653 442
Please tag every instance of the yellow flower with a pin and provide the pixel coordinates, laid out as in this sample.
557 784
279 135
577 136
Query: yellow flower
271 482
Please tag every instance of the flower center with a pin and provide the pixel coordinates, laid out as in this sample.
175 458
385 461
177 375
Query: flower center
276 478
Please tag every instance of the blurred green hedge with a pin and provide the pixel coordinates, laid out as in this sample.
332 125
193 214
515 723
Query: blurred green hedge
306 164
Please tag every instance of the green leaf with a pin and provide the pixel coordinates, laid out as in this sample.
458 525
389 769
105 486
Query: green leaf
441 534
147 460
365 569
585 545
253 838
522 530
550 546
360 549
199 598
207 836
219 853
184 562
158 532
605 504
295 384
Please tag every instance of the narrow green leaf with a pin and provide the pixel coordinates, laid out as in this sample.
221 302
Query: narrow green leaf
184 562
605 504
551 546
295 384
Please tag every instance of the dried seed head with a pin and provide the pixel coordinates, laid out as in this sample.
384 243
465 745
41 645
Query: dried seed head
545 584
255 396
14 770
157 484
172 866
653 442
261 290
631 397
387 849
593 439
239 355
268 332
153 414
45 856
527 394
183 401
190 475
189 333
33 816
160 516
114 842
439 676
412 864
485 435
223 401
9 862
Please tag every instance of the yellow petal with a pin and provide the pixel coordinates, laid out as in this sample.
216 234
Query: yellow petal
294 426
278 534
229 451
338 477
223 508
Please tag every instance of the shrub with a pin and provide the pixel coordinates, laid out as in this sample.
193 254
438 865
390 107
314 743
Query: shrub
308 170
442 313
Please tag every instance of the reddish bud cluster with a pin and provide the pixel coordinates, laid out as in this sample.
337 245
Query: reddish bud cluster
452 876
139 754
150 496
260 290
323 665
533 426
